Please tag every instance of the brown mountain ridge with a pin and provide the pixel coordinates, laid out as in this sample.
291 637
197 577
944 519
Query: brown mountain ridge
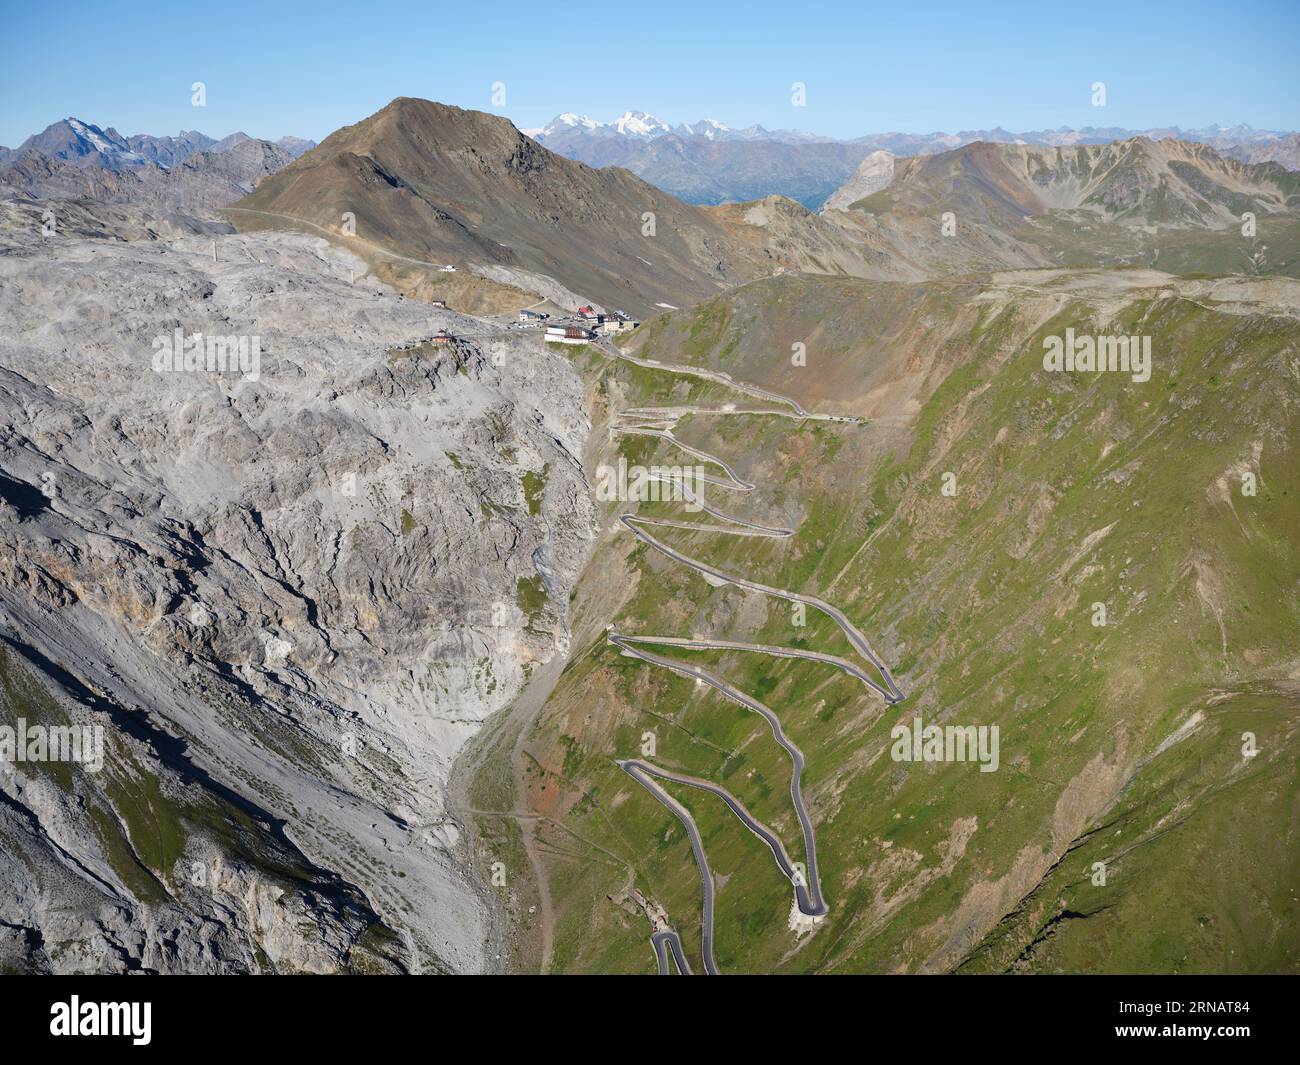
449 186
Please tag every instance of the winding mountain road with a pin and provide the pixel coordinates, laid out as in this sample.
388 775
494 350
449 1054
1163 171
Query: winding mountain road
683 815
807 885
893 693
673 942
806 882
716 376
777 651
667 434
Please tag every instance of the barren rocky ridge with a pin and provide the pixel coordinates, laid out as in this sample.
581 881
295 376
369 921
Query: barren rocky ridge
288 600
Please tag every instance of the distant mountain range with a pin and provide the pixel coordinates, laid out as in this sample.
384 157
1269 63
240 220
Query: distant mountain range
1172 205
430 184
709 162
705 162
83 144
642 126
639 125
519 218
190 172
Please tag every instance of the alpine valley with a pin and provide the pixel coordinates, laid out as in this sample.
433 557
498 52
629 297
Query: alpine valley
633 547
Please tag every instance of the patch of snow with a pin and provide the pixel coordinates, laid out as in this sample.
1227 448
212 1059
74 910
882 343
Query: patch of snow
640 124
97 140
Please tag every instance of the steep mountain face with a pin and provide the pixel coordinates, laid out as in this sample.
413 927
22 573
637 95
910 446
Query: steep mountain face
1103 569
214 179
35 174
444 186
226 143
285 591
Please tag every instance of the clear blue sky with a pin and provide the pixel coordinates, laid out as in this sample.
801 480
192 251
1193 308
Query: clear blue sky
307 68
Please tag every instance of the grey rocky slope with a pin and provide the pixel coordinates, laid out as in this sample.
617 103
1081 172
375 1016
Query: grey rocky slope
91 219
288 601
200 184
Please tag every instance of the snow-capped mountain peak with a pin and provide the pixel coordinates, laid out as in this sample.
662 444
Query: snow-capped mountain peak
640 124
633 124
570 119
643 126
564 123
96 136
81 143
709 128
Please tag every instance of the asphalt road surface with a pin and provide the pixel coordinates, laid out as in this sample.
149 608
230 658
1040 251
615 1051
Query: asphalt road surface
806 881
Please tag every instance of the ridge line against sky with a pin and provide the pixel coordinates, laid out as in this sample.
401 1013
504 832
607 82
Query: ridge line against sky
307 69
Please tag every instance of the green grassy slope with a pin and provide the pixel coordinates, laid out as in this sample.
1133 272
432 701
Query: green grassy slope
1071 490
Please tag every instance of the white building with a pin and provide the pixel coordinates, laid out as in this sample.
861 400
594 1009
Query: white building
617 324
568 334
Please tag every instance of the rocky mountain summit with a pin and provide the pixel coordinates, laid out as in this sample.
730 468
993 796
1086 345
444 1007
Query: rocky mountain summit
1175 205
443 185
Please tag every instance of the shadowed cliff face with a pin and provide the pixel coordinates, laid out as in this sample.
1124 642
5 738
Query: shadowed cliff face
287 593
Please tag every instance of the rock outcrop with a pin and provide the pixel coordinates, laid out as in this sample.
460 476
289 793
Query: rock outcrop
287 593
